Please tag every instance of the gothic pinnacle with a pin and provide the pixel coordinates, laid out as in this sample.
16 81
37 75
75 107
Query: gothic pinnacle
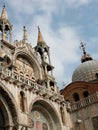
40 37
4 13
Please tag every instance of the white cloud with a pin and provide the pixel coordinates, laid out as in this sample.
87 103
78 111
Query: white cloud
77 2
64 48
63 41
47 6
31 6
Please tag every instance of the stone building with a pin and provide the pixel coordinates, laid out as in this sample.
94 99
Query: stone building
81 94
29 96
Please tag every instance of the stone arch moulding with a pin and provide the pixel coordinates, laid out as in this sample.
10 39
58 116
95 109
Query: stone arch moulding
4 112
50 109
11 105
31 59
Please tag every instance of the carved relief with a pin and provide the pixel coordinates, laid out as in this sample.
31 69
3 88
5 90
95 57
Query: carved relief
44 126
37 115
38 125
30 122
24 46
23 67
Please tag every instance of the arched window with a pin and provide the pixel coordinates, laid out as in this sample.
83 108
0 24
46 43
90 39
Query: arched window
52 85
97 75
22 101
87 99
76 97
85 94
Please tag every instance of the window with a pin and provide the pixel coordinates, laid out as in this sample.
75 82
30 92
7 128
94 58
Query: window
76 97
52 85
85 94
22 101
97 75
87 99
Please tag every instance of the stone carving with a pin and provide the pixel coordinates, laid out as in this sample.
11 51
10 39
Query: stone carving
30 122
37 115
24 46
23 67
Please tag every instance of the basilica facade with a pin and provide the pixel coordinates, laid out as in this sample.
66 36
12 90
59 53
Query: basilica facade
29 95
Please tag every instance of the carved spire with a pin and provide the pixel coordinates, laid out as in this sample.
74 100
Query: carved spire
40 37
85 57
4 13
5 26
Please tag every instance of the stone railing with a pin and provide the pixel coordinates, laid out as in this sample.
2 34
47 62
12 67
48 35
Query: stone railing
29 84
84 102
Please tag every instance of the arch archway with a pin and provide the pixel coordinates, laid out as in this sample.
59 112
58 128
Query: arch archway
8 109
31 60
2 120
44 116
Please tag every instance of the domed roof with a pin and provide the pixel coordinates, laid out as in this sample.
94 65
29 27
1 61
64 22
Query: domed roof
86 71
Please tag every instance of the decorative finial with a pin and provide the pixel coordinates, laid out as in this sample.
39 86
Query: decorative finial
85 57
38 28
82 45
24 27
40 37
4 13
25 36
4 6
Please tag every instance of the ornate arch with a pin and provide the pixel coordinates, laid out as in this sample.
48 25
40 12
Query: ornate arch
48 109
10 104
31 59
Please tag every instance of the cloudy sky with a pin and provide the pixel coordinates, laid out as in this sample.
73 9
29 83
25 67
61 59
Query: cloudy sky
63 23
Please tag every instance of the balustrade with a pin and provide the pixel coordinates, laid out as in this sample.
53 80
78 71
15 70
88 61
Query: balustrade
29 83
84 102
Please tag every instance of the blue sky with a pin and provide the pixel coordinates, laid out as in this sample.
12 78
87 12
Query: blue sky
63 23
